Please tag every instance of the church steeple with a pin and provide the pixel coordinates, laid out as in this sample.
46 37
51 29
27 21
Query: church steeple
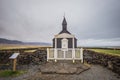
64 26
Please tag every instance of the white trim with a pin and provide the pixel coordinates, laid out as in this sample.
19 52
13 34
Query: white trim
81 56
47 54
73 57
55 54
64 35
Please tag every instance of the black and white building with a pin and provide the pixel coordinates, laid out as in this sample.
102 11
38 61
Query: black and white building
64 39
64 46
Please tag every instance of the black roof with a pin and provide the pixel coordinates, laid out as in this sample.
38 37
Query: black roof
64 27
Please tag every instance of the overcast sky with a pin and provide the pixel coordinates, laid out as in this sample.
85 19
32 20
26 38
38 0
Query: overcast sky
93 22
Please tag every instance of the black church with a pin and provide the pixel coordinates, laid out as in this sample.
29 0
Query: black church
64 46
64 39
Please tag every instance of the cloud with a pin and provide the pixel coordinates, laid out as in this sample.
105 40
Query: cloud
39 20
100 42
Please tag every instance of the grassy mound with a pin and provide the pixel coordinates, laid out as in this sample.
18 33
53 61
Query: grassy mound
9 73
107 51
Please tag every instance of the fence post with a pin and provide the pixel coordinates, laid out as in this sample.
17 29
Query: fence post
73 55
14 64
81 56
55 54
47 54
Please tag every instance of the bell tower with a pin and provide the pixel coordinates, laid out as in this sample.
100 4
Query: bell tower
64 27
64 24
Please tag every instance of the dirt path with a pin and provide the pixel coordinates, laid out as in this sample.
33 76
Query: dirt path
96 72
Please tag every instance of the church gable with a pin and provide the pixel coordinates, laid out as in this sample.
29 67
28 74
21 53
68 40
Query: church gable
64 35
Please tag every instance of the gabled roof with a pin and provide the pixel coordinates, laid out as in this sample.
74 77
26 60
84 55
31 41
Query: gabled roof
64 35
64 31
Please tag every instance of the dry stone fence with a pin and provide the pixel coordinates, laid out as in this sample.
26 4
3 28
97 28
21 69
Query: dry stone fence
109 61
38 57
4 61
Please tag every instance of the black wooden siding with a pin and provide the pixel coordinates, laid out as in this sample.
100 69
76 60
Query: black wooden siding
53 42
75 42
59 43
70 45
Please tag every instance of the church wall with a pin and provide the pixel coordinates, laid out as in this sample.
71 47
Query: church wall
59 43
54 43
75 43
70 43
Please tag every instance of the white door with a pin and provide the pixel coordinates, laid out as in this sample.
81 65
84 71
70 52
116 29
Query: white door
64 43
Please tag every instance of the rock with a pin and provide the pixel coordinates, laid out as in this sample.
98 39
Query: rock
110 65
63 68
62 71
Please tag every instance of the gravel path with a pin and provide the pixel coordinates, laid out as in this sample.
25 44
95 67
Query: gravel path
96 72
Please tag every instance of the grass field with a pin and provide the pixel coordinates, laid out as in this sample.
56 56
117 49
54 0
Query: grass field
18 46
107 51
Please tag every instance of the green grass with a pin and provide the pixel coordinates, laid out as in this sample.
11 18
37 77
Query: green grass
107 51
9 73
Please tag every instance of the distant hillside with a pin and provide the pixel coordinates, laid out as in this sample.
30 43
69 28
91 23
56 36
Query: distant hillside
36 43
7 41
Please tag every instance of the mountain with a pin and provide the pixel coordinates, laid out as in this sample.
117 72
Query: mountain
36 43
7 41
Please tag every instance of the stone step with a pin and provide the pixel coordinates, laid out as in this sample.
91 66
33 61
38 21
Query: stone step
65 67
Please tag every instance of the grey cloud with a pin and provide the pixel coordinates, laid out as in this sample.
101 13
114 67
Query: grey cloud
40 20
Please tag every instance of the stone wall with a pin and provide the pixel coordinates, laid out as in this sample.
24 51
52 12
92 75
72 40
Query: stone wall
38 57
109 61
5 61
33 58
